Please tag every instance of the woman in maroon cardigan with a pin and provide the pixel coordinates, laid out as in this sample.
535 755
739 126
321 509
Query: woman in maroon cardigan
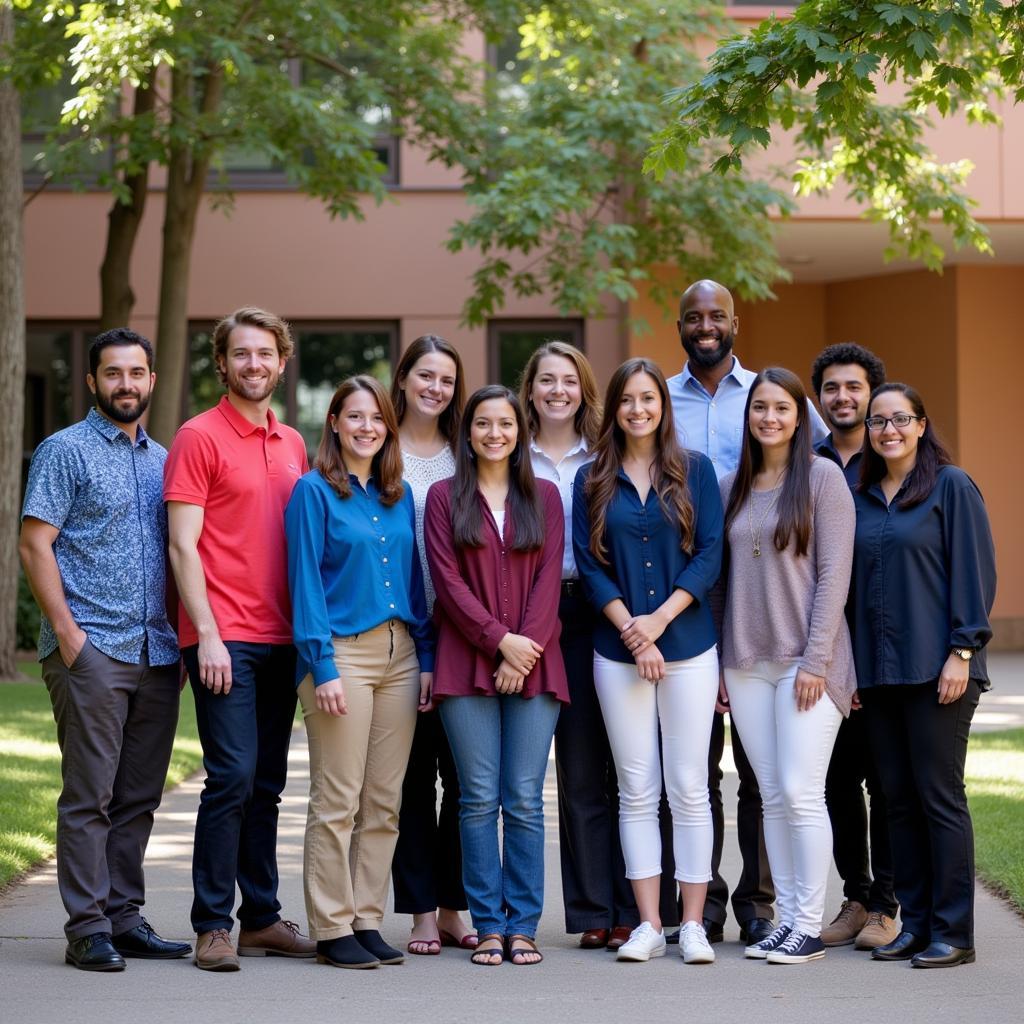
494 538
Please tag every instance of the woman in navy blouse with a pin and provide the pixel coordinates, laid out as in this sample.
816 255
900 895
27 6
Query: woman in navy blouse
647 532
494 546
365 656
924 580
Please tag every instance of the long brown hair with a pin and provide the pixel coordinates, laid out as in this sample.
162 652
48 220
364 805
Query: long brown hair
587 420
795 506
386 467
668 473
527 516
932 454
448 421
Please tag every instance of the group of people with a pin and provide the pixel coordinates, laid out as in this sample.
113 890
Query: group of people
457 582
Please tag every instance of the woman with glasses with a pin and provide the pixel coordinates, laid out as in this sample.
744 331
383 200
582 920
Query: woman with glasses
428 394
789 677
924 581
494 545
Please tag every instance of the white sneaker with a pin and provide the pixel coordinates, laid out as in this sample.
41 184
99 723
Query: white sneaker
694 947
644 943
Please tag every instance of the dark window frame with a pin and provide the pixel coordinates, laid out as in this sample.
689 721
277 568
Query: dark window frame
576 326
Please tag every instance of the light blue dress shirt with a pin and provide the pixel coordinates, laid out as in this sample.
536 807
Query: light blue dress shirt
713 424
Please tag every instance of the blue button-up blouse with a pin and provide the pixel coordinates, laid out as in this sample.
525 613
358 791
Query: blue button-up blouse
924 579
646 563
352 565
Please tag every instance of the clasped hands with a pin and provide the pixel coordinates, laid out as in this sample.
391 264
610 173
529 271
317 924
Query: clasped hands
639 633
519 654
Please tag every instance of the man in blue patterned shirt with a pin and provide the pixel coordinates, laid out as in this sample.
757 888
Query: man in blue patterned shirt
93 543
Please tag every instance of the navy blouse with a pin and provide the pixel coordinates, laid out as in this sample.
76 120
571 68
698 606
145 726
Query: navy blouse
646 563
924 580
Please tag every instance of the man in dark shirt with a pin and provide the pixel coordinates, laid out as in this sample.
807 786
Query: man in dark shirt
843 377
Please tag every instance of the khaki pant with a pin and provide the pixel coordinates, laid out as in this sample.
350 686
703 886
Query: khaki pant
356 765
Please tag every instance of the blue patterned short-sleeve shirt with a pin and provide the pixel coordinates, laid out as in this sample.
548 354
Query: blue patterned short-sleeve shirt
105 496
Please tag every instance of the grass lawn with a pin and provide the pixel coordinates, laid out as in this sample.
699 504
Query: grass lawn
30 770
995 786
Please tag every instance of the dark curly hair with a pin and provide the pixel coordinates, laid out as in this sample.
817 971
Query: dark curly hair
848 352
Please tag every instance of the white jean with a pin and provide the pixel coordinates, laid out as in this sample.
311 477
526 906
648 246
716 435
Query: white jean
789 751
683 705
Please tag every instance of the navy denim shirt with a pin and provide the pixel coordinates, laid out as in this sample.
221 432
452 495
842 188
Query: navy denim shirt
106 497
924 579
646 563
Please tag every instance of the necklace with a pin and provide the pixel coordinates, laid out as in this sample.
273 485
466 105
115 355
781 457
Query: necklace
755 536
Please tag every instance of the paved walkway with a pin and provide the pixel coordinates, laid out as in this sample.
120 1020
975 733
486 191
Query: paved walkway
571 985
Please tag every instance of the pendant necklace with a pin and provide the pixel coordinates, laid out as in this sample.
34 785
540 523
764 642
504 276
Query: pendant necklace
755 536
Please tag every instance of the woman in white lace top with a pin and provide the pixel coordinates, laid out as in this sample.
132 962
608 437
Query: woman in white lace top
428 394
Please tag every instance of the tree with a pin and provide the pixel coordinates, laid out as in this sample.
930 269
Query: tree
817 75
309 84
12 347
560 203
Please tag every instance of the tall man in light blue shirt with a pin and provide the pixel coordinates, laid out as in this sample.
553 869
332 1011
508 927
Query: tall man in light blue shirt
709 398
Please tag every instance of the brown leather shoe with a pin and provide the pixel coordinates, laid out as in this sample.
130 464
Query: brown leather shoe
879 930
595 938
619 936
282 938
215 951
846 925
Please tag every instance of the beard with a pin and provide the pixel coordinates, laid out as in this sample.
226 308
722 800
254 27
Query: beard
108 406
707 358
255 391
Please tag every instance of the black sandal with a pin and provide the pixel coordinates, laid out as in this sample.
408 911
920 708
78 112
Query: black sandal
526 947
482 957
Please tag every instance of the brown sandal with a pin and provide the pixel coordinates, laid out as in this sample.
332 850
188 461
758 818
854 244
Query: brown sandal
526 947
482 957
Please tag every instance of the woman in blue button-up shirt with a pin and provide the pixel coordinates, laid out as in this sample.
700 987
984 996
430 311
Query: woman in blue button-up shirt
365 656
924 579
647 533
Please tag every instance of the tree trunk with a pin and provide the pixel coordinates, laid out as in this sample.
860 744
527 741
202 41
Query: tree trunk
116 296
187 171
12 351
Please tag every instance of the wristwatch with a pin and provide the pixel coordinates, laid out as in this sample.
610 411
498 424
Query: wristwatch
963 653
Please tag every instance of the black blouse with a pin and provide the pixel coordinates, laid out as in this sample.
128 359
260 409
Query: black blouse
924 580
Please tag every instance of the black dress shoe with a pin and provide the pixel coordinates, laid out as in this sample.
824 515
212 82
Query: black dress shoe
94 953
374 944
143 943
941 954
345 952
756 930
903 947
714 930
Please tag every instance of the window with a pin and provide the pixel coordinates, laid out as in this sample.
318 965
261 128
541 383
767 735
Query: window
56 362
325 354
510 343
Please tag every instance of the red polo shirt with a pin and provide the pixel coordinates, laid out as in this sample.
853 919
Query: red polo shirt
242 476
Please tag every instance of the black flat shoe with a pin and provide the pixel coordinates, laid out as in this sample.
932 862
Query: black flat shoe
94 953
345 952
374 944
903 947
142 943
756 930
941 954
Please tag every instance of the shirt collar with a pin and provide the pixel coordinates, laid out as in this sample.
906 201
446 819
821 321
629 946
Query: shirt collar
578 449
736 373
111 431
241 425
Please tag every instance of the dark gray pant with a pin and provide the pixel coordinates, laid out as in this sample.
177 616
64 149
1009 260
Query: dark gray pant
115 727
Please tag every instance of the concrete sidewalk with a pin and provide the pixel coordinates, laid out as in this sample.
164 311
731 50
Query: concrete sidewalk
571 985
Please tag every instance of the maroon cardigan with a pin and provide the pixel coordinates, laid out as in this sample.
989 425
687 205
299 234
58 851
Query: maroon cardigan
484 593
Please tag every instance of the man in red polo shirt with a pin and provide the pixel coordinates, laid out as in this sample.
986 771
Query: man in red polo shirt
227 480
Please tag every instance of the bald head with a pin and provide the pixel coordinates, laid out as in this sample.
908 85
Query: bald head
707 323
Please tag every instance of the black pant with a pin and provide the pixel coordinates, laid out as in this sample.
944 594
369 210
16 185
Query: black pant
245 736
920 748
427 867
115 727
595 890
754 893
850 768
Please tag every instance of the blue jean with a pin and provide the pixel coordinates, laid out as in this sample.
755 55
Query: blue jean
245 736
500 745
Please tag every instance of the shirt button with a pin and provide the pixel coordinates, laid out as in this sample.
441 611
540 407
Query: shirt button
383 539
387 583
712 432
384 559
651 592
391 606
648 565
645 540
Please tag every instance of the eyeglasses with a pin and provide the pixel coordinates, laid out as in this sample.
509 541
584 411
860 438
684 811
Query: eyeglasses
899 420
